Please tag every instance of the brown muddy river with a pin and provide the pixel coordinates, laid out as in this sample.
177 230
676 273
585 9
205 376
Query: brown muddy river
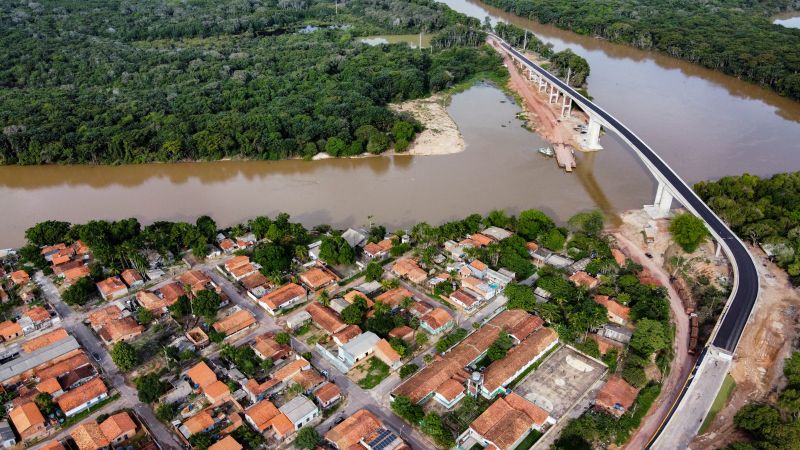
704 124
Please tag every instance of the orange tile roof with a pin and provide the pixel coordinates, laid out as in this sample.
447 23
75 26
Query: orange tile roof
80 247
613 307
51 337
26 419
526 327
9 328
88 436
481 239
266 345
52 248
450 389
478 265
347 434
226 443
386 353
52 445
401 332
201 374
309 379
604 344
507 420
124 328
81 394
254 280
151 301
393 297
171 292
216 391
619 257
348 333
194 278
102 316
20 277
431 377
62 367
327 392
257 389
325 318
198 422
75 273
616 396
283 295
131 276
235 322
110 286
226 244
291 369
48 385
354 295
317 278
117 425
282 425
463 297
437 318
262 414
236 262
532 246
37 314
584 279
501 371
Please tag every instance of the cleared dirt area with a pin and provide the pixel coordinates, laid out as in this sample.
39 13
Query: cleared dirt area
758 364
441 135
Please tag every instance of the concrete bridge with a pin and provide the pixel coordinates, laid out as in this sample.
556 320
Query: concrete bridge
701 387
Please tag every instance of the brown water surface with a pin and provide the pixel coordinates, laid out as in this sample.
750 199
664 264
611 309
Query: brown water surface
703 123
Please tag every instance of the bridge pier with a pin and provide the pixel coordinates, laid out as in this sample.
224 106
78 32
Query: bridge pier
542 84
593 134
662 203
554 93
566 107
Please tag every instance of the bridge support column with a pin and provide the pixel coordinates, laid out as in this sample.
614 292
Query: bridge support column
662 203
593 134
542 84
717 249
554 93
566 107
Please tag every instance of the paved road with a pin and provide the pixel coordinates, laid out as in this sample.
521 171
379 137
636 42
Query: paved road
72 321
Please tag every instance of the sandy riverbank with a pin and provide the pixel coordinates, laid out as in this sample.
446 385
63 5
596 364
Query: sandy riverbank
441 135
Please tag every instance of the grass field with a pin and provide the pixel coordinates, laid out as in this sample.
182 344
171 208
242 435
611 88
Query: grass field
722 398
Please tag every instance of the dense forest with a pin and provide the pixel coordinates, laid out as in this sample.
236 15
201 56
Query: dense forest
764 211
134 81
735 37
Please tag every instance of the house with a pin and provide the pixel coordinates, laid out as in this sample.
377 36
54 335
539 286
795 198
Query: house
152 302
461 298
479 288
616 396
258 391
476 268
198 423
354 238
358 348
120 330
503 371
450 392
327 394
505 424
217 392
74 274
89 436
619 257
261 415
338 304
7 437
300 411
403 332
325 318
378 250
49 250
248 240
239 267
76 377
317 278
617 313
197 281
266 347
10 330
171 292
524 328
99 317
52 445
235 323
497 233
20 277
39 317
500 278
408 268
583 279
227 245
82 397
616 333
112 288
298 319
362 427
284 297
436 321
346 335
132 278
201 375
354 295
28 421
226 443
394 297
387 354
256 284
419 309
43 340
118 428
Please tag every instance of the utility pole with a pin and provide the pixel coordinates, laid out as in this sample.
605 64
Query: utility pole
337 6
525 42
420 40
569 74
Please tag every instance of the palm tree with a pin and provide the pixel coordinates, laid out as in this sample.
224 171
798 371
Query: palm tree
324 298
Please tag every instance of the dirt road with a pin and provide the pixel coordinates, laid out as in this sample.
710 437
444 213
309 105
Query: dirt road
681 364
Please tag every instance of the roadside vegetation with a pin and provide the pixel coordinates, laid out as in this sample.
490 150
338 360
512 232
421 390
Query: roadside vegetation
734 37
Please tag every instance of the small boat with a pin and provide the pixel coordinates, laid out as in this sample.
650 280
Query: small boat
547 151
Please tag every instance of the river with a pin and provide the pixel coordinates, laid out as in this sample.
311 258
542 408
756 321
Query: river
704 124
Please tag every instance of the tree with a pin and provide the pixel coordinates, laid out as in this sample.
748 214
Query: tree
324 298
273 258
354 314
207 227
374 271
144 316
335 250
206 304
283 338
554 240
433 426
44 401
520 297
149 387
408 410
408 370
80 292
500 347
589 223
532 223
166 411
49 232
307 438
181 308
124 356
201 440
649 337
688 231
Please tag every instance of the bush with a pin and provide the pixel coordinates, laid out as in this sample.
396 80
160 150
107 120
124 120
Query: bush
408 370
688 231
